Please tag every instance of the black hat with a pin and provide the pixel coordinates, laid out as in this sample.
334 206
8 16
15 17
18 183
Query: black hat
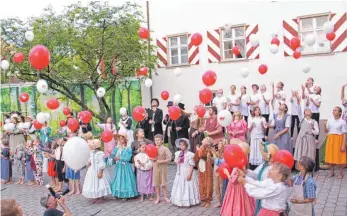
181 105
155 99
169 103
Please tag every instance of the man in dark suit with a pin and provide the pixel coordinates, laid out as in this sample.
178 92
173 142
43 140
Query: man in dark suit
155 118
182 124
167 135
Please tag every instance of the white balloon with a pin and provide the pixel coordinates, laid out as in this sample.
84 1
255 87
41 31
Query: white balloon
26 125
254 40
306 68
5 65
42 86
328 27
244 72
123 111
224 118
9 127
178 72
47 116
101 92
41 117
273 48
177 98
29 36
76 153
148 83
310 39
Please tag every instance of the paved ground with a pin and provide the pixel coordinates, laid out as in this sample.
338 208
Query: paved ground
332 200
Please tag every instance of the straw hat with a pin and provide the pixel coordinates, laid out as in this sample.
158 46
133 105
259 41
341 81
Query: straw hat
177 143
268 150
235 141
245 147
121 134
97 143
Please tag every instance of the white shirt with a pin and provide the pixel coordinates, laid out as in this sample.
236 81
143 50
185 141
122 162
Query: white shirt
264 108
233 99
257 130
315 129
273 195
336 126
58 152
254 173
280 97
255 98
243 105
311 90
287 123
296 107
311 105
219 102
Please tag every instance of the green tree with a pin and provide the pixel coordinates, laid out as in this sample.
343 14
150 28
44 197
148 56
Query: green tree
80 40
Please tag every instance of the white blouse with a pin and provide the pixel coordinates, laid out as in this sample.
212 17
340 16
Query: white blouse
273 195
264 108
144 159
257 130
296 107
280 97
287 123
311 105
243 105
255 98
315 129
254 173
233 99
336 126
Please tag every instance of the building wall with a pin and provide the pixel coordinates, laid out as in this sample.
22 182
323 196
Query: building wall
174 17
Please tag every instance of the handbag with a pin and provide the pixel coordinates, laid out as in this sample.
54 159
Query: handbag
32 163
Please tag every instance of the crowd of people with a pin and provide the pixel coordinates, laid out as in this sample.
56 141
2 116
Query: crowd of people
193 143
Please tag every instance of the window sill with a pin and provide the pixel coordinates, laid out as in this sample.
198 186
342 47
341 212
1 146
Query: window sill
178 66
233 60
318 54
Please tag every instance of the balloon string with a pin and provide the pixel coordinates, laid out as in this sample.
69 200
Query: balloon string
38 74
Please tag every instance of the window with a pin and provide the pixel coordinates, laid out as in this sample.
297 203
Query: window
314 25
231 37
178 50
214 92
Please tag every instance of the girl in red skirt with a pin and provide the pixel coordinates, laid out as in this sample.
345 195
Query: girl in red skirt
273 191
49 153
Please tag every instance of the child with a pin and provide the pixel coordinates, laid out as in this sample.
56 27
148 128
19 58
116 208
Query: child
74 180
5 162
29 166
124 125
304 188
60 164
97 180
203 157
160 168
296 114
218 159
37 155
144 171
109 146
124 183
49 153
185 189
272 192
19 158
236 200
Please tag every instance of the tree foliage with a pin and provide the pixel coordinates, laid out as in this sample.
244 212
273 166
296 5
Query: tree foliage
80 39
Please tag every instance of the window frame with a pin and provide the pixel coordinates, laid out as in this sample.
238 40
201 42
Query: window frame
221 39
300 31
168 49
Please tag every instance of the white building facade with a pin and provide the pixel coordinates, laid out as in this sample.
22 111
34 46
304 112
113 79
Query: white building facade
225 23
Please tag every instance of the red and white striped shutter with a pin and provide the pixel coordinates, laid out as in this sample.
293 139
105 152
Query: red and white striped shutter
193 53
339 44
251 52
162 52
290 30
213 46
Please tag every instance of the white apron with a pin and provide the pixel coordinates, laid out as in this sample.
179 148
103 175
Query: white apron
300 209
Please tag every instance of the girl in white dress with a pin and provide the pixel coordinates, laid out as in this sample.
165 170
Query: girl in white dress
244 103
256 126
125 124
185 189
97 181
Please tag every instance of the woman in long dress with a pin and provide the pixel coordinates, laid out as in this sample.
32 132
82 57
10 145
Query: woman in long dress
5 162
185 189
108 146
124 183
195 133
238 127
19 158
97 182
45 133
257 126
125 124
305 142
29 167
281 125
16 136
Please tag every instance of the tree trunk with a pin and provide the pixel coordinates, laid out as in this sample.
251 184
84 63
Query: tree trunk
113 104
82 93
19 108
128 94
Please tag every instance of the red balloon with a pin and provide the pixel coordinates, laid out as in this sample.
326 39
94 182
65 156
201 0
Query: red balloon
236 50
37 125
297 54
243 162
221 168
331 36
139 113
233 155
295 43
85 117
209 78
62 123
66 111
196 39
0 123
165 95
151 151
143 33
107 136
284 157
18 57
200 111
142 71
174 112
52 104
262 69
276 41
205 96
39 57
24 97
73 124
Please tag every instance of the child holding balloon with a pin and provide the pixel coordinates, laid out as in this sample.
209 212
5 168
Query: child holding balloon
218 159
108 146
